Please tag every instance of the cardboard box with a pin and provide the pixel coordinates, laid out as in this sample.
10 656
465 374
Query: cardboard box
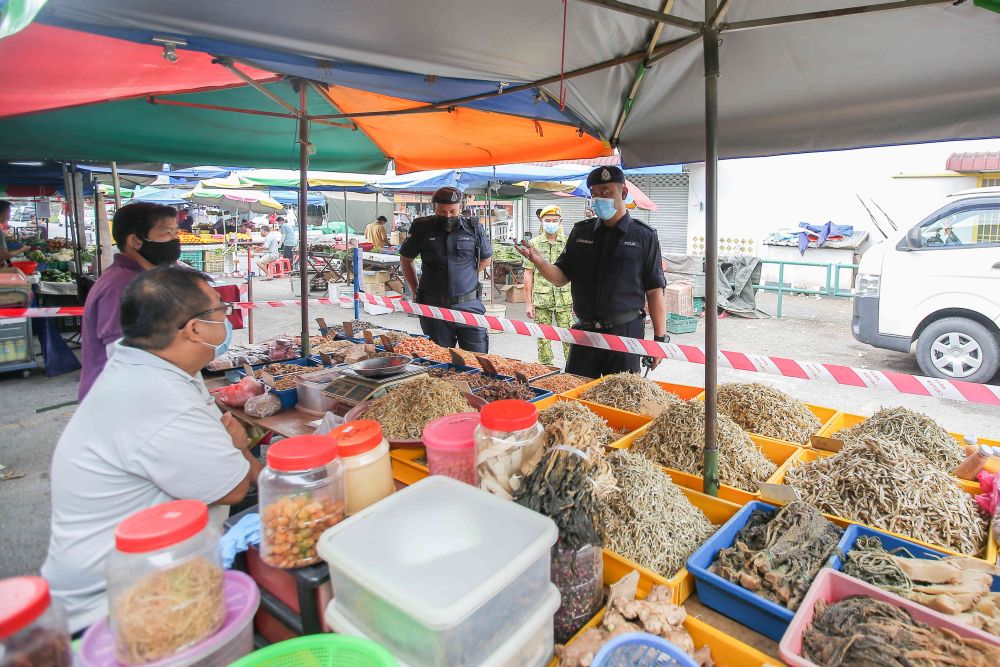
394 285
376 277
513 293
378 289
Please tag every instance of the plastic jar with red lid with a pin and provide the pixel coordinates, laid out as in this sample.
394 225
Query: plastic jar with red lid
367 468
509 444
33 627
164 582
451 446
301 493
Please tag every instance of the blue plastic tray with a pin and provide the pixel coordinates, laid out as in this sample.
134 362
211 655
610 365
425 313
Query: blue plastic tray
308 361
889 543
760 614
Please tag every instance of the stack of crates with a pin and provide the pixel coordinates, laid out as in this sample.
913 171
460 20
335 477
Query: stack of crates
16 349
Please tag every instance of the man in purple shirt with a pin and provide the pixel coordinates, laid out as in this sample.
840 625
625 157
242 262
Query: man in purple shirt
146 235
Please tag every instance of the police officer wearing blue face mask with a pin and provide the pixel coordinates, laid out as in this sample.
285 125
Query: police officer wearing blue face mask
453 252
612 263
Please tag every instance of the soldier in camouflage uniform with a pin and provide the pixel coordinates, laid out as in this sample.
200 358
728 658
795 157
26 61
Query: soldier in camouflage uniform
546 303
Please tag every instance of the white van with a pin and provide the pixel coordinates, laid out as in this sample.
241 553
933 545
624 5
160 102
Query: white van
938 284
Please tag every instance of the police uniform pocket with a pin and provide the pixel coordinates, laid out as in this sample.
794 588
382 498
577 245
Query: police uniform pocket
465 248
630 253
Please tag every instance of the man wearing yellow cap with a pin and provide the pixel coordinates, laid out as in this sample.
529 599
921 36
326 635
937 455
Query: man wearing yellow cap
546 303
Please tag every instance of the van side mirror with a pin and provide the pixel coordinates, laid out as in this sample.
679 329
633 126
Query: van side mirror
913 240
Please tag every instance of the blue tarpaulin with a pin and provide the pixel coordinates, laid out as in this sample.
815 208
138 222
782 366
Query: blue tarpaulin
821 233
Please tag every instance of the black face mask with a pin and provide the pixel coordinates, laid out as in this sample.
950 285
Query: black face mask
449 222
160 253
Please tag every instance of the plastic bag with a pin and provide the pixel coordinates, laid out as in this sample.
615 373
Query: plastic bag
236 395
263 406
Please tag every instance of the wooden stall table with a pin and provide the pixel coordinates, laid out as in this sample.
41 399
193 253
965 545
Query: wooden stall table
287 423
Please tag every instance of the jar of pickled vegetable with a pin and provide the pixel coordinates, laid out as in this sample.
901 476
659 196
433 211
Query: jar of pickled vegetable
33 627
301 494
164 582
509 444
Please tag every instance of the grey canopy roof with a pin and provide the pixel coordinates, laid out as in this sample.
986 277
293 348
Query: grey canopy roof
915 74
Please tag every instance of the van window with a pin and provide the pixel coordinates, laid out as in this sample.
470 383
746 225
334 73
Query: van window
968 227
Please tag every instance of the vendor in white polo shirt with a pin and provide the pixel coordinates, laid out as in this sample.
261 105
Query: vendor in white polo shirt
146 433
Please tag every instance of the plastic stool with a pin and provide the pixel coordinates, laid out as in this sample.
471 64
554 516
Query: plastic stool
640 649
279 268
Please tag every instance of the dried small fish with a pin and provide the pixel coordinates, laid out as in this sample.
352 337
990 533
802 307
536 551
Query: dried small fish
913 430
676 439
474 380
766 411
406 409
574 412
557 384
649 519
885 484
628 391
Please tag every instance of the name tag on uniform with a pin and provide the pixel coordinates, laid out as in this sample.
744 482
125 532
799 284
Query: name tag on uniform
432 238
632 243
589 241
465 238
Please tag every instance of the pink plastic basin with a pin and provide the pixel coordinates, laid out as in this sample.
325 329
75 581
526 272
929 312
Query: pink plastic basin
233 640
832 586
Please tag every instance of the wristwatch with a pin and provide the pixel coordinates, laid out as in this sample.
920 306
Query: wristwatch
661 339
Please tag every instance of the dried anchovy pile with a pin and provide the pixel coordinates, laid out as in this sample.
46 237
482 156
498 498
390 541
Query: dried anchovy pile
628 391
575 413
356 325
474 380
581 435
885 484
648 519
393 336
406 409
500 390
766 411
284 369
507 366
912 429
330 346
860 631
777 554
557 384
443 354
676 439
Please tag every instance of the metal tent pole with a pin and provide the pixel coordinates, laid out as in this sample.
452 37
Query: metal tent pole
303 212
710 42
117 185
347 232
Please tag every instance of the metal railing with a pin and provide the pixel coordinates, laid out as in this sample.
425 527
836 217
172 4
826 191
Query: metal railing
832 287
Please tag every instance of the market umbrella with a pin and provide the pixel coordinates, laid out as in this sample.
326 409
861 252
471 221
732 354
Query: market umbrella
237 201
166 196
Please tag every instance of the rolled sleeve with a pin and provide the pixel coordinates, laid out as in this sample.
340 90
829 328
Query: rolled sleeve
485 247
652 270
193 457
410 248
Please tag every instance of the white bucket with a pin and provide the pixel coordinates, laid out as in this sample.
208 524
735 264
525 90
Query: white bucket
335 291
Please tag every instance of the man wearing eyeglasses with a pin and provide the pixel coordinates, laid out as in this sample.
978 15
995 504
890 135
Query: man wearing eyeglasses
148 432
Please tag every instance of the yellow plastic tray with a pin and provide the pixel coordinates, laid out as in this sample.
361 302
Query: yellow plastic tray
726 651
809 455
408 470
846 420
775 450
682 391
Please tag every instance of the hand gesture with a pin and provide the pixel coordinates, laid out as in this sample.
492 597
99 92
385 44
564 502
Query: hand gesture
528 251
236 431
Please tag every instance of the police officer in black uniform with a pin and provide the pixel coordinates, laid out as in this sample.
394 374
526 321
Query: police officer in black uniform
453 252
612 263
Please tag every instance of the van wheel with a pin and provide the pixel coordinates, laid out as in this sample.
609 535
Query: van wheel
955 348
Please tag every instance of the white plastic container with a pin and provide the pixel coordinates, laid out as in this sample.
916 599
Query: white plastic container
440 573
508 437
529 646
309 388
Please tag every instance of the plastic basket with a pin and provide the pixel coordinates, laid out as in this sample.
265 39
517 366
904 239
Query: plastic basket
320 651
681 324
214 264
196 260
640 649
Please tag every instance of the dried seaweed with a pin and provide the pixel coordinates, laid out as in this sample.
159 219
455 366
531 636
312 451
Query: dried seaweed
887 485
912 429
860 631
777 554
578 413
648 519
676 439
581 435
627 391
406 409
766 411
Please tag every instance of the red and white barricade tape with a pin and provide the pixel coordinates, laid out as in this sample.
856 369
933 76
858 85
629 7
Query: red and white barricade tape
902 383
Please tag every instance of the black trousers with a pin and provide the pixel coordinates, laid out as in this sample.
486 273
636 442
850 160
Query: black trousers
593 362
448 334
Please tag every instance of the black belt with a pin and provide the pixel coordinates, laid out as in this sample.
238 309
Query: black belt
434 300
610 322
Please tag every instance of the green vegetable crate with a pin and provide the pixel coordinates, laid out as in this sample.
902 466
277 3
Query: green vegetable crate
681 324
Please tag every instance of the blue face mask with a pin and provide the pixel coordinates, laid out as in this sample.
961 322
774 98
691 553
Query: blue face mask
605 208
551 227
222 347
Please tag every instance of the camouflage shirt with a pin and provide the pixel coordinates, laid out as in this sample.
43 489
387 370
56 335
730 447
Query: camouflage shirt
544 294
